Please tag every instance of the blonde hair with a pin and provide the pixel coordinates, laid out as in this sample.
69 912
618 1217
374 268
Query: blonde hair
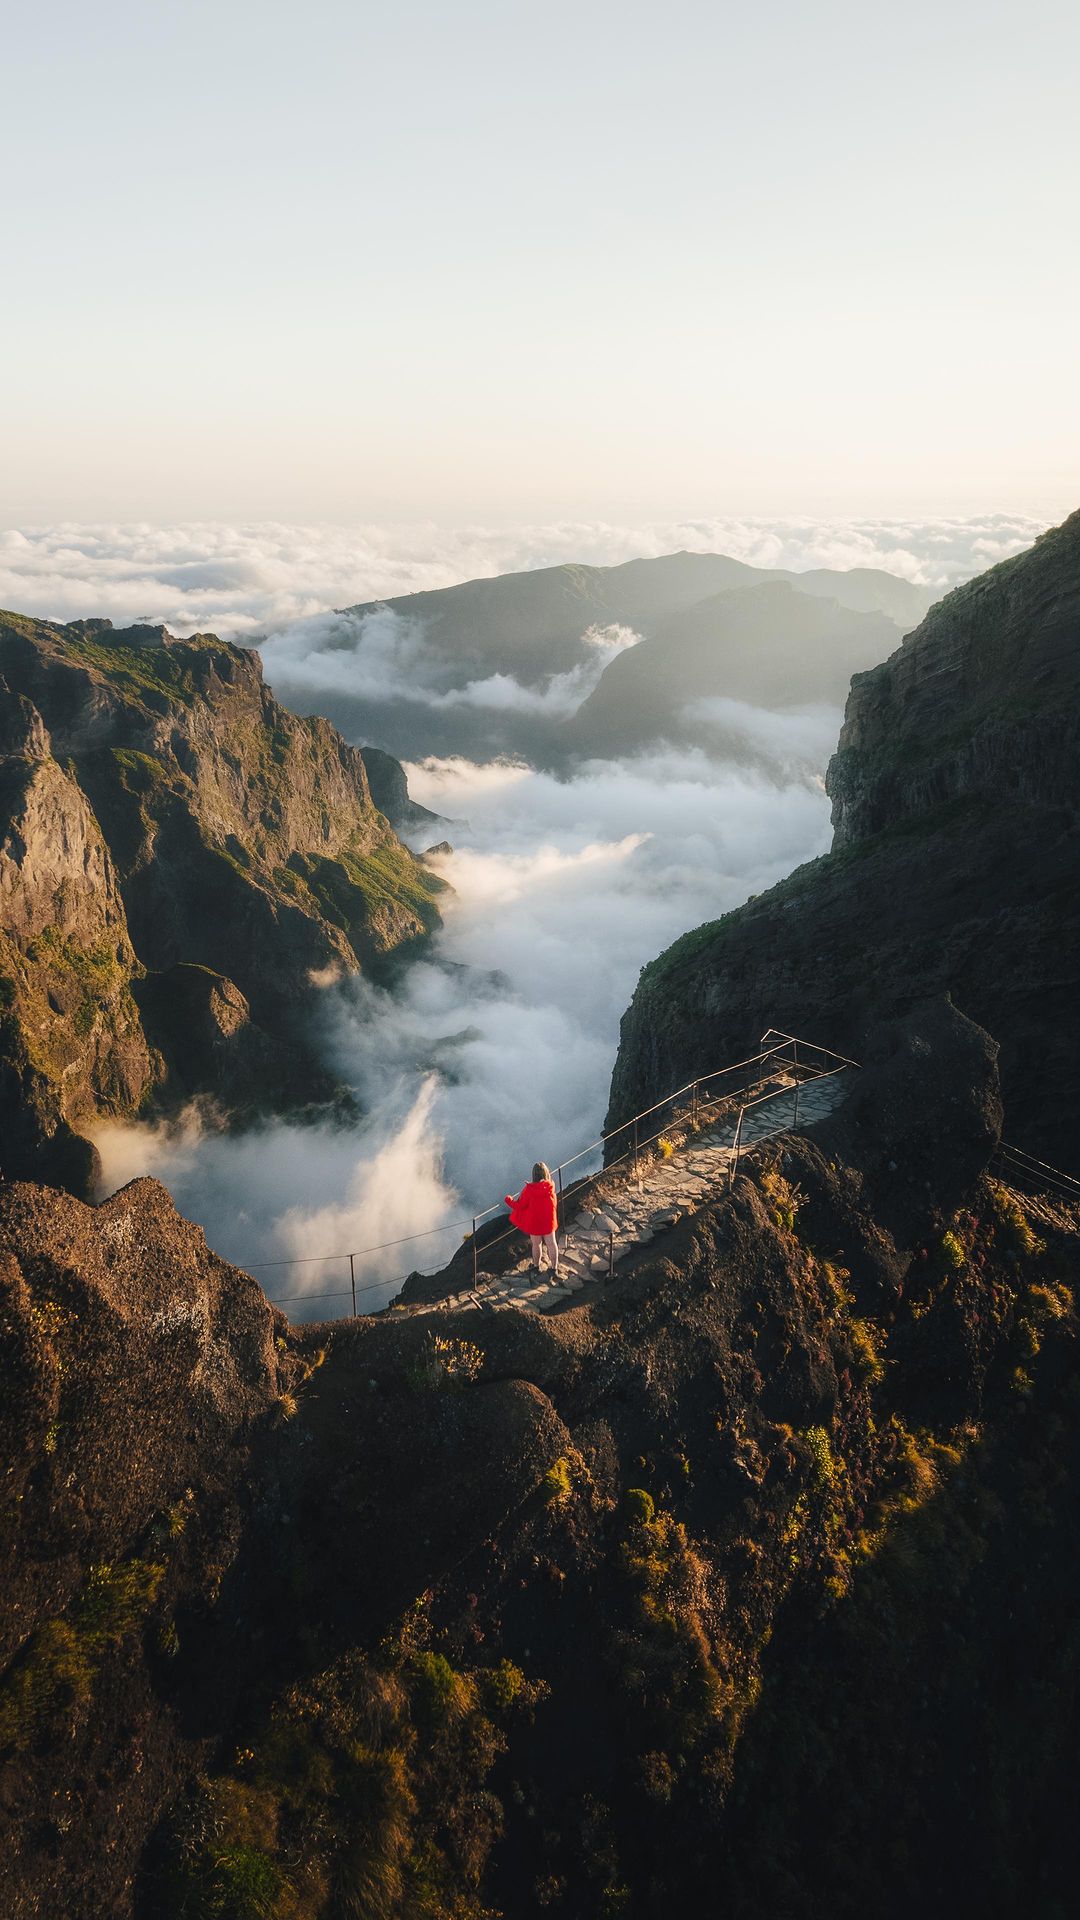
541 1172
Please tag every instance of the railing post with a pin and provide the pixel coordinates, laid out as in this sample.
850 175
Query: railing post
635 1144
795 1046
736 1145
693 1107
474 1268
610 1254
352 1281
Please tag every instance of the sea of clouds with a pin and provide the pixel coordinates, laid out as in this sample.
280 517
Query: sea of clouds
497 1049
240 581
382 656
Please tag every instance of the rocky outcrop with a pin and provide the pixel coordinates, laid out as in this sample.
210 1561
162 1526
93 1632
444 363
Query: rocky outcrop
71 1043
390 792
139 1372
503 1613
162 812
981 702
956 794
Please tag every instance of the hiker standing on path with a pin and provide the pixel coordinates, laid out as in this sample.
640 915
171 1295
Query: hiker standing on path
535 1212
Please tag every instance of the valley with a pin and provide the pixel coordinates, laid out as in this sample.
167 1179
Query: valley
612 1597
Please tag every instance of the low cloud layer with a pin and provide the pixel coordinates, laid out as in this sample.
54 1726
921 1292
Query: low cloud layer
249 580
381 658
498 1049
799 739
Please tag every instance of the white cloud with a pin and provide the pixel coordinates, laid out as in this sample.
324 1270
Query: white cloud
384 656
498 1049
248 580
797 739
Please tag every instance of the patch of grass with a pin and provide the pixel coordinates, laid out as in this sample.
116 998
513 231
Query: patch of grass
665 1654
140 772
95 969
866 1339
57 1669
953 1256
363 1796
138 671
784 1198
1018 1234
439 1693
444 1364
557 1484
363 887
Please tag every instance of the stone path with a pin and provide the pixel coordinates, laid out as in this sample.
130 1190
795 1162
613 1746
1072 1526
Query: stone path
640 1209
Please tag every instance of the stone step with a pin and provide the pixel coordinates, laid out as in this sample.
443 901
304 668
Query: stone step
641 1205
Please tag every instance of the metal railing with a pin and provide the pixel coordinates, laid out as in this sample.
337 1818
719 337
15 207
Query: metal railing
701 1106
1022 1169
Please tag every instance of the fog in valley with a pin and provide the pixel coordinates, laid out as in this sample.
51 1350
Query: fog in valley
497 1049
616 750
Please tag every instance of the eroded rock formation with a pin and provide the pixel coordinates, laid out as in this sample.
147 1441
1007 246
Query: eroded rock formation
178 853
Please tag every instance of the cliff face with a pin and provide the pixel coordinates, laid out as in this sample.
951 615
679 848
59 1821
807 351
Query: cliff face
980 701
139 1373
172 836
390 792
955 867
734 1587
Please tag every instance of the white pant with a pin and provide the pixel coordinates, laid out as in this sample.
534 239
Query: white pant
549 1241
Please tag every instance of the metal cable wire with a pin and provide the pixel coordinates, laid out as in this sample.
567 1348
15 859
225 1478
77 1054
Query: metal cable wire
631 1151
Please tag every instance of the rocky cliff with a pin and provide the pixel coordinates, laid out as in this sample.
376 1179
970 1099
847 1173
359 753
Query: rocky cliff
390 793
747 1586
178 854
955 867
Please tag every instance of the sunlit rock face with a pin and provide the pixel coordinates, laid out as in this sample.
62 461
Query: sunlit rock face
161 815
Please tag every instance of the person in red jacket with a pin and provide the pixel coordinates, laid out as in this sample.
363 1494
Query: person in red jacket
535 1212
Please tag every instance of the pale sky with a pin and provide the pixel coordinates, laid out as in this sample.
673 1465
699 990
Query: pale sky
325 261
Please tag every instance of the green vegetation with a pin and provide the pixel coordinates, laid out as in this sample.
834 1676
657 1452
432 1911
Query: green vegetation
96 969
556 1484
785 1200
138 671
364 1795
664 1650
952 1252
686 948
55 1673
445 1365
1020 1238
867 1339
140 771
360 888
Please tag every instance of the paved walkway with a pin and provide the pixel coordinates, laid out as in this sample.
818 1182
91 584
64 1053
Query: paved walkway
640 1209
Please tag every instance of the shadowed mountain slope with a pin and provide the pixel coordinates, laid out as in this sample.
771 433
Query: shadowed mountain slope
766 646
530 624
955 866
693 1594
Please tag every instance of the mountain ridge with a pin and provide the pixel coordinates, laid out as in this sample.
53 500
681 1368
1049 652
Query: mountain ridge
181 853
955 791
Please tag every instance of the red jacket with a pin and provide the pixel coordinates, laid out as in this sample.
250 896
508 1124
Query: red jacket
536 1209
